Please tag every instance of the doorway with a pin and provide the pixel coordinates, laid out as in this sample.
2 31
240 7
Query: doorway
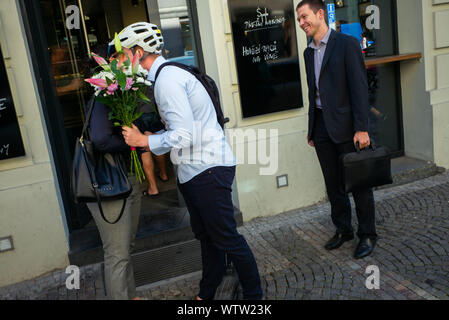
61 59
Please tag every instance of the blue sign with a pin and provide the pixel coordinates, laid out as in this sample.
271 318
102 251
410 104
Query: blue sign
331 15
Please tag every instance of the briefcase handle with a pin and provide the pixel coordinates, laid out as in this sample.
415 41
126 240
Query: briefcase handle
372 146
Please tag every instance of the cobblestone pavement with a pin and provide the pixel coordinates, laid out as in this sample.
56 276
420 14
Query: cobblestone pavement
412 255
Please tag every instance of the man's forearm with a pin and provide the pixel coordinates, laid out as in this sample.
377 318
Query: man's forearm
174 139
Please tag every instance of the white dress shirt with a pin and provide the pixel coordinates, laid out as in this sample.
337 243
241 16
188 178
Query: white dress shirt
193 135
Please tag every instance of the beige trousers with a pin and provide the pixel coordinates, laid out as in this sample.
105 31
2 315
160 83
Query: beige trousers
118 242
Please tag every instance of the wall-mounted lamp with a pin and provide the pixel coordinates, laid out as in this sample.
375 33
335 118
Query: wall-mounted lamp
282 181
6 244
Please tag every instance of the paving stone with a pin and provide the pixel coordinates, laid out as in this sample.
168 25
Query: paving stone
412 254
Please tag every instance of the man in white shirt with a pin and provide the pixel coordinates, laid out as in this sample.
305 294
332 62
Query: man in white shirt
206 164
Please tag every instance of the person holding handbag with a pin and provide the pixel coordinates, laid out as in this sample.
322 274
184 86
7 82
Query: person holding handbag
117 236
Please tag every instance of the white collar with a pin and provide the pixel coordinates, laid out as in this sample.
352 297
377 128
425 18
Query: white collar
155 67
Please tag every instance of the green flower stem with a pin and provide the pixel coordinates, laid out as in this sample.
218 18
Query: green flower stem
135 162
125 110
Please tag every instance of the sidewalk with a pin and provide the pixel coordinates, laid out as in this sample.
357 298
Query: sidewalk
412 255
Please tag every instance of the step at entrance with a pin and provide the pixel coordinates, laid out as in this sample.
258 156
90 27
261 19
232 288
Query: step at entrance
405 170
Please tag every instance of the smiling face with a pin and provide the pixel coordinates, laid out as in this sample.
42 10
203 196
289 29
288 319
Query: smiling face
309 21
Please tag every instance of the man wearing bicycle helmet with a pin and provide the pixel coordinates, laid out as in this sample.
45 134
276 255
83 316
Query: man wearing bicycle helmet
206 164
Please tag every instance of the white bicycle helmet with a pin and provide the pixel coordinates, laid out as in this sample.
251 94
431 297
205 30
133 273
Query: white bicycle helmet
143 34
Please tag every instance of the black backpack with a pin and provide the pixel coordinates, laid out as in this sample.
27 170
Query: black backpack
208 83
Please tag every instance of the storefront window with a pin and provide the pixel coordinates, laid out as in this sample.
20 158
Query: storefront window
385 111
266 56
11 144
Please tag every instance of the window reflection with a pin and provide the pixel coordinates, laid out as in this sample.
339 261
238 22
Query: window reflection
177 31
384 116
351 17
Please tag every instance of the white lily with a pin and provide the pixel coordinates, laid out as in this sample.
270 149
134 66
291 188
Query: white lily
142 71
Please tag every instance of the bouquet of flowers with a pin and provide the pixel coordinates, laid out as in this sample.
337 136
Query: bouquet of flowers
121 85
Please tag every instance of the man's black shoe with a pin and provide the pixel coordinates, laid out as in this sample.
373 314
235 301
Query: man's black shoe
338 240
364 248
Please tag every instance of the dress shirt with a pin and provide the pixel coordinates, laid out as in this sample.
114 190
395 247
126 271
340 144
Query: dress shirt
318 62
193 135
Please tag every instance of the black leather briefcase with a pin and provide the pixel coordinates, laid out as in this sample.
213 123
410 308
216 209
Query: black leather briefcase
367 168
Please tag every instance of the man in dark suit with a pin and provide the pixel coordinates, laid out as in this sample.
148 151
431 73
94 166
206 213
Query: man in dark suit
338 119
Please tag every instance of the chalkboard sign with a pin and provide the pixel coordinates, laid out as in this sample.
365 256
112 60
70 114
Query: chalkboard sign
266 52
11 144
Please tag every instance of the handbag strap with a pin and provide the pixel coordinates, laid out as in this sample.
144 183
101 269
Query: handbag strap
101 208
92 177
89 115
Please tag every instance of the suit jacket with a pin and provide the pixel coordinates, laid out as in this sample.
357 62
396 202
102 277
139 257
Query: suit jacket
343 88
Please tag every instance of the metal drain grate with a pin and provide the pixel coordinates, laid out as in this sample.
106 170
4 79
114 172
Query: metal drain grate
167 262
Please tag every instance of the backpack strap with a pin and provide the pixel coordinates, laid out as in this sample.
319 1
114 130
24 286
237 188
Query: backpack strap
198 74
175 64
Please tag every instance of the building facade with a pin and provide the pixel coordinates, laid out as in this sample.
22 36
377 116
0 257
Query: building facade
253 49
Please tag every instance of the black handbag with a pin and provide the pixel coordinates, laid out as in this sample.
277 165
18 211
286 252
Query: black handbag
367 168
98 176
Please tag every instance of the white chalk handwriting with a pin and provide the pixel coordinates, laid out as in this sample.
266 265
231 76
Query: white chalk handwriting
269 51
2 105
263 21
4 150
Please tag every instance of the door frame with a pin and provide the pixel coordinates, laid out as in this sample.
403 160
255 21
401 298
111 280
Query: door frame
51 109
400 110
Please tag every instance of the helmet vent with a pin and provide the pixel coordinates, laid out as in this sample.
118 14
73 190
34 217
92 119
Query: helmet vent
153 43
149 39
140 31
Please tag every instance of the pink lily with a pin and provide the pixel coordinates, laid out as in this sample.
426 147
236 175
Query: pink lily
101 61
97 82
129 83
112 88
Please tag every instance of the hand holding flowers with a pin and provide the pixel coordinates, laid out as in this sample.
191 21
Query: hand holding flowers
121 85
